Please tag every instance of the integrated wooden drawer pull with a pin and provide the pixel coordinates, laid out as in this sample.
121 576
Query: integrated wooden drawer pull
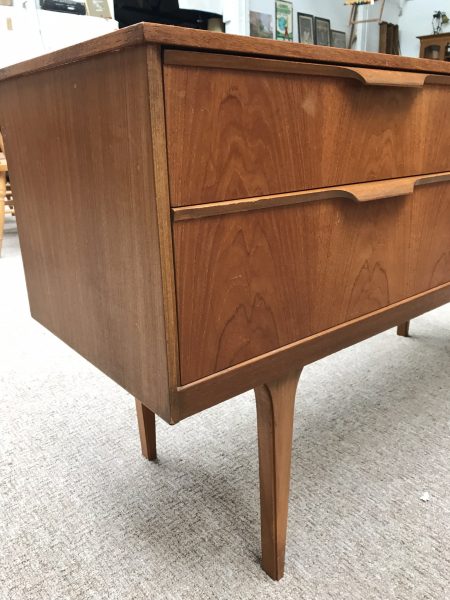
359 192
375 77
390 188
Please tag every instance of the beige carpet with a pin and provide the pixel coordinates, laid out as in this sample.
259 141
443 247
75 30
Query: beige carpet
82 516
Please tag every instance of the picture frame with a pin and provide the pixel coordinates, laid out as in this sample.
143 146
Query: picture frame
284 17
322 31
338 39
305 28
261 25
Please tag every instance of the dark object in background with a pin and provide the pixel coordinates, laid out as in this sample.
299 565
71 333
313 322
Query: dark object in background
129 12
76 7
322 31
439 18
432 52
305 28
447 52
389 39
338 39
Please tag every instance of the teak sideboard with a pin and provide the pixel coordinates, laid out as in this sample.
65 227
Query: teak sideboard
201 214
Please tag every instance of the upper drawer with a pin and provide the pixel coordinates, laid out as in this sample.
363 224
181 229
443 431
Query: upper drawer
239 127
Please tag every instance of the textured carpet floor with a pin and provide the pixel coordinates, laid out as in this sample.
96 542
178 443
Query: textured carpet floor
83 516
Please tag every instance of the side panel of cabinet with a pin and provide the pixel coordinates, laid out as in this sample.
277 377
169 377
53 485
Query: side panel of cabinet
80 146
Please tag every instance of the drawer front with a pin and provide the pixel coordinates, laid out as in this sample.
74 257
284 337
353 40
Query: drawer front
237 133
250 282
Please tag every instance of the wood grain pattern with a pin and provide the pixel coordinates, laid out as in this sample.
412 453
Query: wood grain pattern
251 282
429 238
211 390
82 173
190 38
162 206
365 76
268 133
147 430
275 403
259 293
358 192
110 42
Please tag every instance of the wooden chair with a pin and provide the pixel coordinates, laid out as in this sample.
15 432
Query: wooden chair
3 170
6 198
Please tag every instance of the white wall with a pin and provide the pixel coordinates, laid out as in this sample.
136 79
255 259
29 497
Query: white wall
24 41
235 17
35 32
61 29
416 19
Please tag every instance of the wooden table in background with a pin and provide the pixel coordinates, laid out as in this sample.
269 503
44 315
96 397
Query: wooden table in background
439 40
201 214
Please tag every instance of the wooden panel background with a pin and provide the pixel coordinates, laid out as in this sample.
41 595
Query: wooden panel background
80 148
267 133
251 282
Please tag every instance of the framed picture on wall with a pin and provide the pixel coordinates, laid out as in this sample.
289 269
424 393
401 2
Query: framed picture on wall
322 31
284 16
261 25
338 39
305 28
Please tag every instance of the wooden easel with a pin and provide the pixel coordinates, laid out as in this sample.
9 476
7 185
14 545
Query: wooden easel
355 21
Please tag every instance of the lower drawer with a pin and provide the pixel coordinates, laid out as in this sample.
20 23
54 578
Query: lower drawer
250 282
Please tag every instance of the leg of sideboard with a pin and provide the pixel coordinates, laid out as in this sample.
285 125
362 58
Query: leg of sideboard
403 329
275 416
147 430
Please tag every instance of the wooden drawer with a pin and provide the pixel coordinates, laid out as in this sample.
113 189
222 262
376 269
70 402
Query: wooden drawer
250 282
240 127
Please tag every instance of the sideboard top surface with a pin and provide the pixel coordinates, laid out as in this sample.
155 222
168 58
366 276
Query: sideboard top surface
168 35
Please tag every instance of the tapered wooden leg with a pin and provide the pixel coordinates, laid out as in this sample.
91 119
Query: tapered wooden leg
403 329
275 416
147 430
